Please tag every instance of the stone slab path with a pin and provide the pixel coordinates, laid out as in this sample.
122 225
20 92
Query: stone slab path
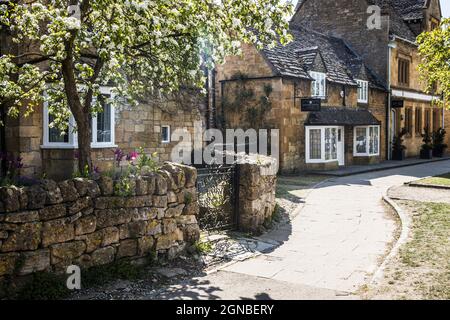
327 252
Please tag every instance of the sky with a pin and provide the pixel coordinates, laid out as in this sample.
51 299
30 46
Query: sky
445 8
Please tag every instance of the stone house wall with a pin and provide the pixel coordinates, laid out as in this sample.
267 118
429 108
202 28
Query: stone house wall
257 186
49 226
413 141
285 113
347 19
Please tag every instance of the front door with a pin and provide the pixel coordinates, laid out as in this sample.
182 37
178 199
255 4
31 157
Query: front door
340 146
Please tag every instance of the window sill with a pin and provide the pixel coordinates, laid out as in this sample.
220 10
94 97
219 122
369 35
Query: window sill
365 155
308 161
74 147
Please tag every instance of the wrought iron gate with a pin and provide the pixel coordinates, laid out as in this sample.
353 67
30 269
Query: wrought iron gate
218 196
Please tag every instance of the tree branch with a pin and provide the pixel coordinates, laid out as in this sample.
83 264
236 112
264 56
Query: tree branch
174 35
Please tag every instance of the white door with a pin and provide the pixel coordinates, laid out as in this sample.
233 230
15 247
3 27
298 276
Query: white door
340 146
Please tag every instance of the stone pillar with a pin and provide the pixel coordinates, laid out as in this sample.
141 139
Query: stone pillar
257 188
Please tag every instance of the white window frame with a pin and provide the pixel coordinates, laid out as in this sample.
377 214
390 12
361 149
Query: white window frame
367 153
168 132
321 92
322 144
58 145
108 92
363 91
73 136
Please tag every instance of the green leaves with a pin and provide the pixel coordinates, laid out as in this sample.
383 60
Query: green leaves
145 47
434 49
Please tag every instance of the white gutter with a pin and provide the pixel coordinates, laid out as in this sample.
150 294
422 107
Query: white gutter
443 111
414 95
394 37
391 46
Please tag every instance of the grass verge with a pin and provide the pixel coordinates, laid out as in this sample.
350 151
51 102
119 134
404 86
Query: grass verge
442 180
422 268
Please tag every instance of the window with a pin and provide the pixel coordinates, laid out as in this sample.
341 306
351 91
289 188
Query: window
165 134
428 119
367 141
55 135
408 120
403 72
55 138
315 147
103 124
321 144
363 91
436 119
419 123
330 144
318 86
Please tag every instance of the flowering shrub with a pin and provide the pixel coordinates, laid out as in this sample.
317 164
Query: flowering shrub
137 162
13 165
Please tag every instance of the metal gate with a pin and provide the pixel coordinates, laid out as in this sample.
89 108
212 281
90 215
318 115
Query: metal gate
218 197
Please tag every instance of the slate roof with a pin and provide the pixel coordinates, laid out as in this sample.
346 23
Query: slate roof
399 11
297 58
340 117
410 9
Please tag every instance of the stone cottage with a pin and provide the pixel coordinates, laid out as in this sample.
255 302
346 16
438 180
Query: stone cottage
269 85
46 152
390 50
365 77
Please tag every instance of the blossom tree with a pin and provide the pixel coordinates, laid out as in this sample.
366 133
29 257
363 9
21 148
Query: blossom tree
434 50
68 49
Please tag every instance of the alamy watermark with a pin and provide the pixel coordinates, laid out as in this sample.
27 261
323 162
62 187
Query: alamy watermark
374 20
213 146
74 280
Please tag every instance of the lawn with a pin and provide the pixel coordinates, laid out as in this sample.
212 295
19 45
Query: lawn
442 180
422 268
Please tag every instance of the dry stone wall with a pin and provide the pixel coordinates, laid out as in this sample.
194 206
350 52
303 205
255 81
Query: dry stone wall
257 186
49 226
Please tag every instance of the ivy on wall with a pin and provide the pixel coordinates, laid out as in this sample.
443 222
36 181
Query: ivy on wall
252 108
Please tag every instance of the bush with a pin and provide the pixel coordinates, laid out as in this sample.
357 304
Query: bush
100 275
44 286
438 142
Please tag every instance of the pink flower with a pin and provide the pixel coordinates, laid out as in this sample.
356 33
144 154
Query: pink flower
132 156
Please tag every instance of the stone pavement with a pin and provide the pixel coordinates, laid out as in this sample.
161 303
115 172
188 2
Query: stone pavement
328 251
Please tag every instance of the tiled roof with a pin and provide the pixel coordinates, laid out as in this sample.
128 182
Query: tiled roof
340 117
410 9
399 12
298 57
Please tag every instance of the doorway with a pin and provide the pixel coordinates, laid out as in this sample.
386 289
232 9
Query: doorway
341 146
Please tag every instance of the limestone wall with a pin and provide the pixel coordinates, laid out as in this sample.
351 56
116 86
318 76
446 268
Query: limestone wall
257 185
49 226
135 127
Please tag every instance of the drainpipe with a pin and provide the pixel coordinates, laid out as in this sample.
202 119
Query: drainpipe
443 111
391 45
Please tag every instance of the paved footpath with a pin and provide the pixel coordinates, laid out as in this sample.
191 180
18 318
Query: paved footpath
336 242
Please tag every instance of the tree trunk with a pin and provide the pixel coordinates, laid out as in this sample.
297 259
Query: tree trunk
81 114
84 130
